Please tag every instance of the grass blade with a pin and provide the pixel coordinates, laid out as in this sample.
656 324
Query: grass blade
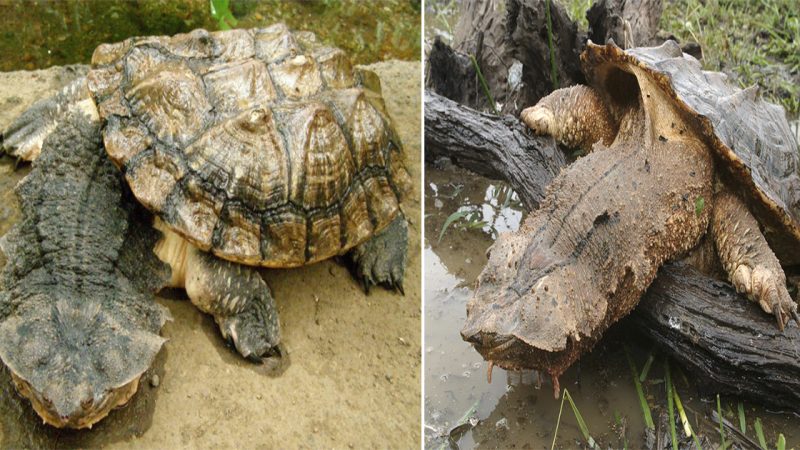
719 415
579 418
742 420
483 83
687 427
648 418
760 434
672 433
449 221
646 368
558 422
618 420
781 445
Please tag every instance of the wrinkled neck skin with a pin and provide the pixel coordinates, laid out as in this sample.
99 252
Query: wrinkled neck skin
172 249
585 257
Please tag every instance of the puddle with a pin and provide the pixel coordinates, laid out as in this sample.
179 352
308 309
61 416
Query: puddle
511 412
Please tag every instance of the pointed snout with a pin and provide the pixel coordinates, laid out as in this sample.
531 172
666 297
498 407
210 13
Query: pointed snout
538 118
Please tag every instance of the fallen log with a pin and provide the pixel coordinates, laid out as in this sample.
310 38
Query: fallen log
725 341
493 146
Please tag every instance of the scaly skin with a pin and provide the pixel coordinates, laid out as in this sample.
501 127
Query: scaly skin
583 260
750 263
575 116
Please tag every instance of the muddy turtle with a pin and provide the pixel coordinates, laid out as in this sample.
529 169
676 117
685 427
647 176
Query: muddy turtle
251 148
678 161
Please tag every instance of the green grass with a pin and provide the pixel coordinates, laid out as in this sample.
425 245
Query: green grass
39 34
753 42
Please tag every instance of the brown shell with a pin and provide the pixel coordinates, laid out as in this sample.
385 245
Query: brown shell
262 146
750 137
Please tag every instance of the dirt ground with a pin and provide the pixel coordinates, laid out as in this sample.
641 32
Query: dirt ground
352 375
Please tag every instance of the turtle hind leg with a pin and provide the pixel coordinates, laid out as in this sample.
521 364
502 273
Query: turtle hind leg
382 259
240 301
751 265
24 137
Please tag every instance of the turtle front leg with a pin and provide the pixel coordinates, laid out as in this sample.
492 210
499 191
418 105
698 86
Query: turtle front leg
751 265
382 259
575 116
238 298
24 137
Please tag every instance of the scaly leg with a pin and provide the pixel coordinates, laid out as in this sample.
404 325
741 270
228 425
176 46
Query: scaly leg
382 259
239 300
750 263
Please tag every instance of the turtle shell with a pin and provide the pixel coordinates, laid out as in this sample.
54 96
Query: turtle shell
262 146
750 137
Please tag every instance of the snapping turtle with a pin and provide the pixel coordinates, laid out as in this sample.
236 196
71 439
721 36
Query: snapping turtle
678 159
251 148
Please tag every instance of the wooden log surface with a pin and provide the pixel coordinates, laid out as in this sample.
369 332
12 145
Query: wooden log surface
724 341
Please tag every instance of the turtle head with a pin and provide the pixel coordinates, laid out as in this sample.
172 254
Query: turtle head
75 361
523 313
576 116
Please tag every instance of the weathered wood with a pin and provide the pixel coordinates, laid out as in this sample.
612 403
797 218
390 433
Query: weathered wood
451 74
630 23
493 146
715 332
720 337
508 40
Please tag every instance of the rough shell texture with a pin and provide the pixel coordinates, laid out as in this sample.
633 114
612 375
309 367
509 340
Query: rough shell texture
262 146
751 137
77 316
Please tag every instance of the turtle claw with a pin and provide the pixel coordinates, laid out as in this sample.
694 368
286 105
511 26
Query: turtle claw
382 259
795 316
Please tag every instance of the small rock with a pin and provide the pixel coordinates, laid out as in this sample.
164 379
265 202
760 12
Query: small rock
388 378
403 341
259 397
155 380
502 424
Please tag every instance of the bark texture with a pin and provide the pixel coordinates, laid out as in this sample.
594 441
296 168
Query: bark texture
629 23
509 42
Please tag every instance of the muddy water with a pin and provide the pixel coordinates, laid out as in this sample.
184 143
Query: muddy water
463 408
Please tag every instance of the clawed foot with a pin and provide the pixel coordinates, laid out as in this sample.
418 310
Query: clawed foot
769 290
255 332
382 259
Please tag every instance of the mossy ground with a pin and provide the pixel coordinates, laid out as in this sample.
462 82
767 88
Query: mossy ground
39 34
754 42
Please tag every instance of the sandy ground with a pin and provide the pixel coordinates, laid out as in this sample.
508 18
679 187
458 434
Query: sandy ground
352 375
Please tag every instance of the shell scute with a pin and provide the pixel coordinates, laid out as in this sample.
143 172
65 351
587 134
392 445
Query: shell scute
325 238
284 238
172 103
244 157
239 86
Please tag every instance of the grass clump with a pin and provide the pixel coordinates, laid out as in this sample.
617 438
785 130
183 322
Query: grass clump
753 42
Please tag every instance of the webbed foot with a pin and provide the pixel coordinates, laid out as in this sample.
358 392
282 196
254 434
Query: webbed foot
254 332
240 301
769 290
382 259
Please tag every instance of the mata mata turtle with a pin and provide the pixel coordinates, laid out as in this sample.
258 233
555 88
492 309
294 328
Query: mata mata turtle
678 159
254 147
